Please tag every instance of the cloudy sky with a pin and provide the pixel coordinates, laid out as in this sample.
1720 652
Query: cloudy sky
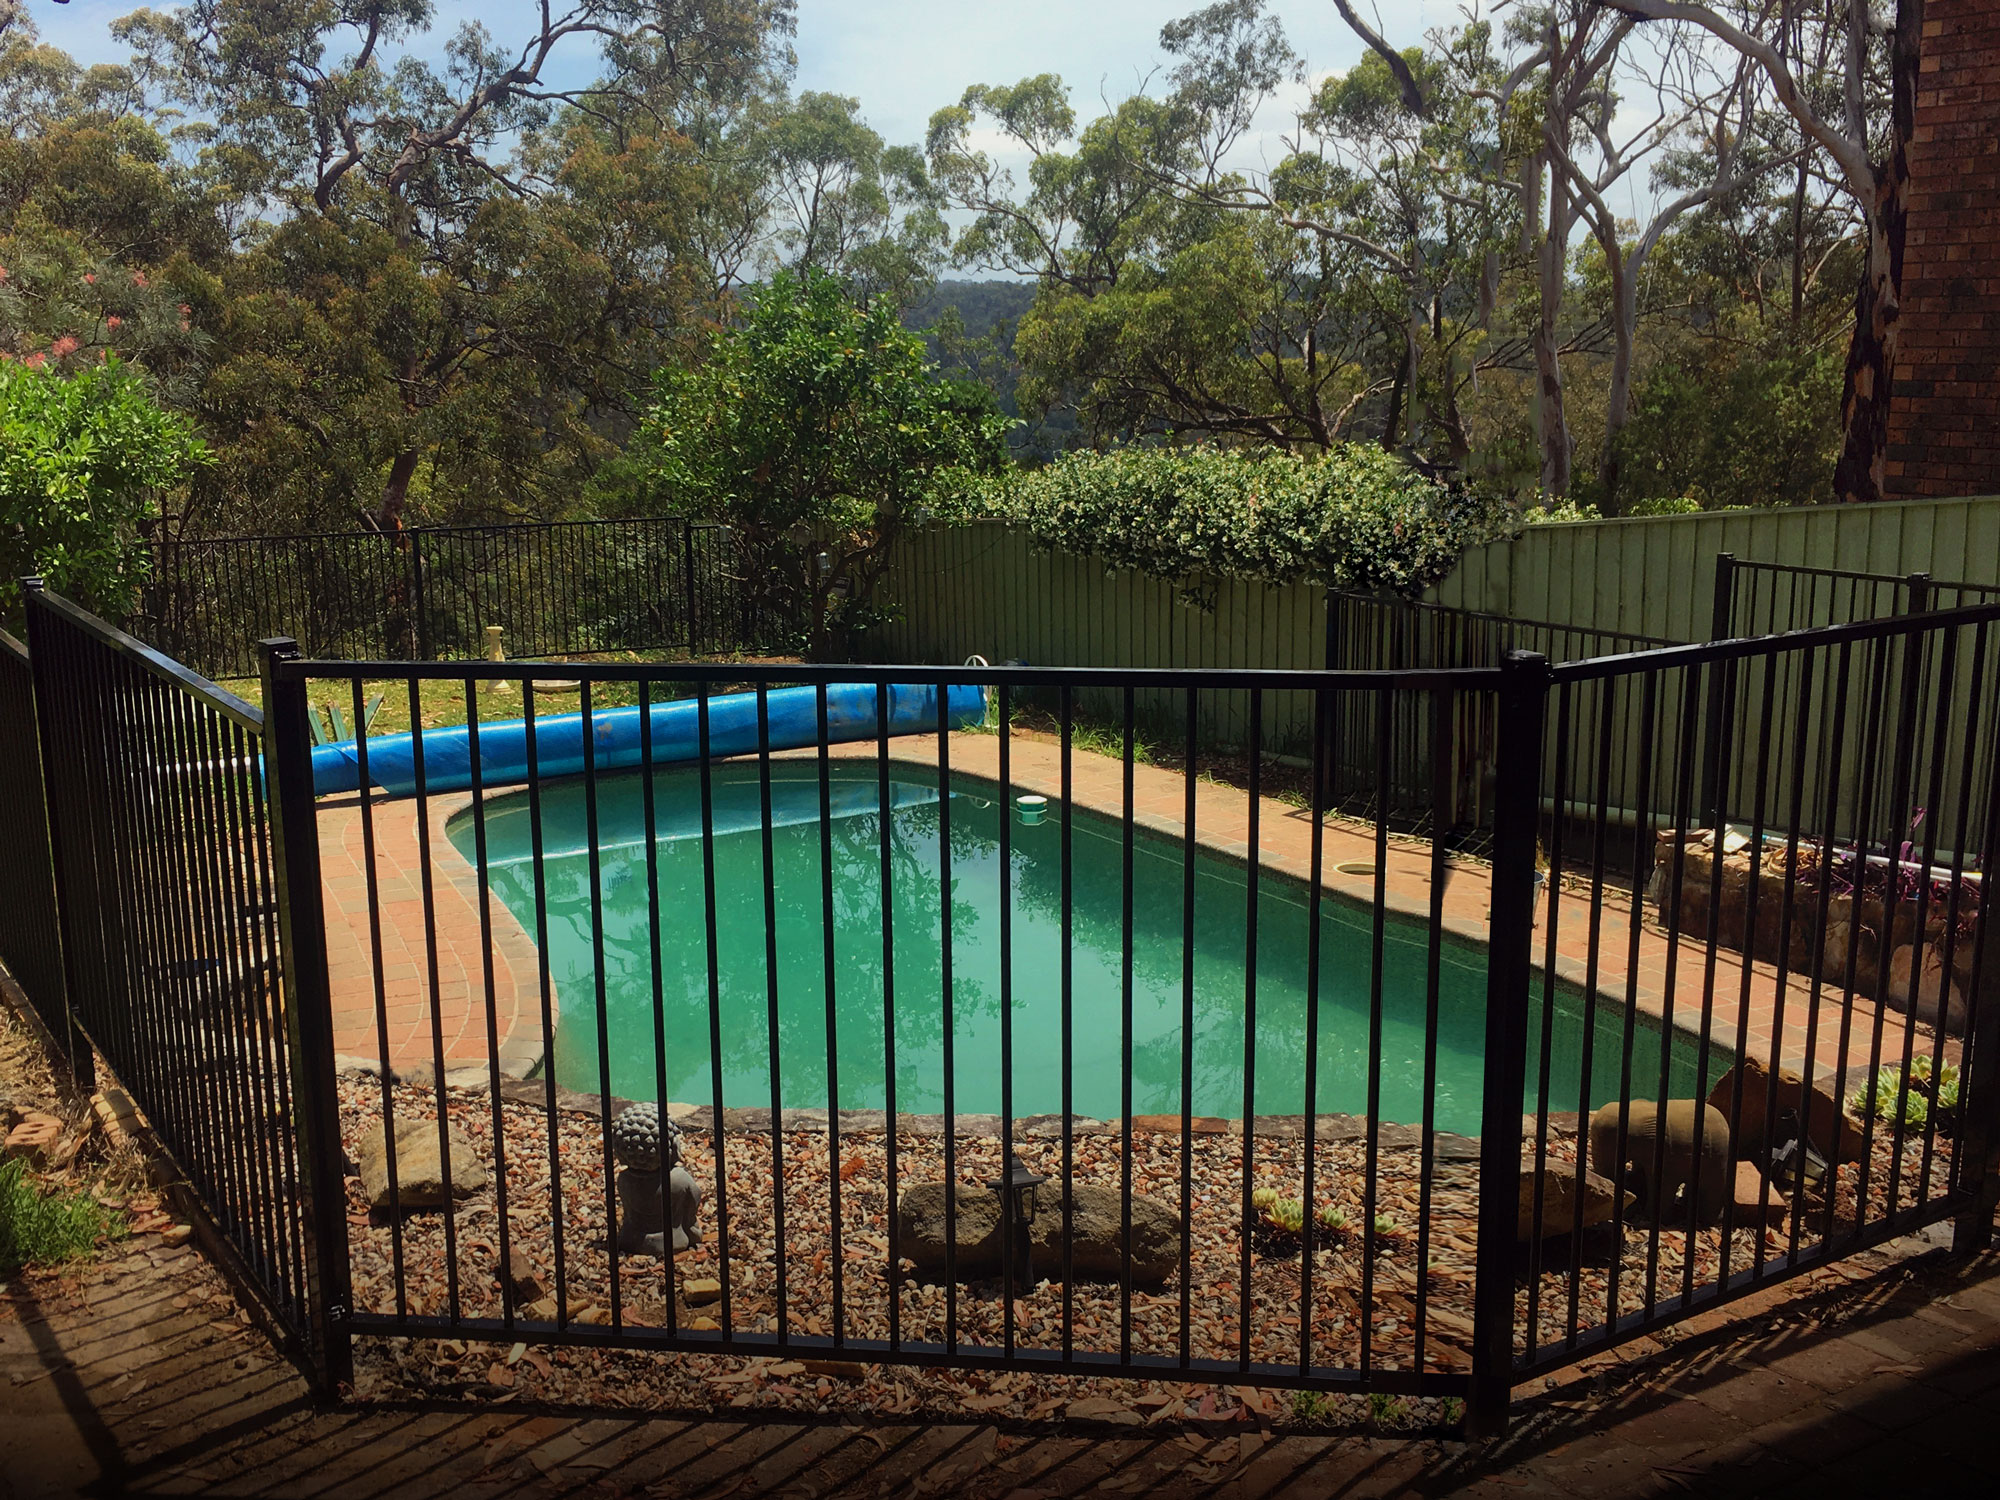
905 58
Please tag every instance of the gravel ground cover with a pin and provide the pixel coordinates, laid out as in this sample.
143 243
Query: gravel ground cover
1220 1320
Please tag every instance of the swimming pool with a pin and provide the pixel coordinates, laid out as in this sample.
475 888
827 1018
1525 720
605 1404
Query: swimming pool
916 900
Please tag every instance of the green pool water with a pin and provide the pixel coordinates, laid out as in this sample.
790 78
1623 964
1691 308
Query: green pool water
1099 1039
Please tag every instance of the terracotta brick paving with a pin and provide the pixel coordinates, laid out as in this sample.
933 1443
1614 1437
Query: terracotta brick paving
1741 1017
407 1003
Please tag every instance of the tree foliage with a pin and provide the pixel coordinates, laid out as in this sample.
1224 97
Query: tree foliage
814 428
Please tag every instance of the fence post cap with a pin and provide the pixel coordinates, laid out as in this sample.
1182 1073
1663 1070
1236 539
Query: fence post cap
34 583
278 646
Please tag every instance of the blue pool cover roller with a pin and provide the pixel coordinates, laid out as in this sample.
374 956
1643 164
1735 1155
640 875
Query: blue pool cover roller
559 743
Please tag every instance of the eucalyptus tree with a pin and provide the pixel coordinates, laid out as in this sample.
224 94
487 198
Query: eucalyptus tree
842 201
393 199
1611 109
1863 125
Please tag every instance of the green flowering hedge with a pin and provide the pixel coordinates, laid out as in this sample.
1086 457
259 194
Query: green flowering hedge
1357 518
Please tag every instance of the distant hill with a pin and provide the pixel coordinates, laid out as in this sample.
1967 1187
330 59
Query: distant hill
984 351
980 303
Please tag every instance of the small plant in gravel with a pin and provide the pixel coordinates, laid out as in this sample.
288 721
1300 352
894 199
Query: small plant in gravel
1386 1228
1333 1219
1287 1214
1887 1096
45 1229
1310 1406
1385 1410
1263 1199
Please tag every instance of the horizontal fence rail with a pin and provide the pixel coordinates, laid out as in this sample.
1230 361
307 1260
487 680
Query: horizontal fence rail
430 592
170 922
1764 598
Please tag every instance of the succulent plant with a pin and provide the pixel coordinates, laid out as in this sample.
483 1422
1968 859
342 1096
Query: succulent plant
1386 1227
1333 1219
1263 1199
1944 1093
1289 1215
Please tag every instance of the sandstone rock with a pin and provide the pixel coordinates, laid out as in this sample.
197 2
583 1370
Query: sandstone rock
1097 1251
699 1290
1757 1202
1835 954
1559 1194
836 1369
542 1310
519 1274
1931 984
419 1173
1746 1133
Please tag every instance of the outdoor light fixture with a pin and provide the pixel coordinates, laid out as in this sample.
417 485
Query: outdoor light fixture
1018 1188
1031 808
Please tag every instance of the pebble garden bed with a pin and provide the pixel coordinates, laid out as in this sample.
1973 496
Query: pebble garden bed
1217 1313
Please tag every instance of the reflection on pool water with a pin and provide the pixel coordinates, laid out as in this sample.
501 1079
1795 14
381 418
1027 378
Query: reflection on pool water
622 954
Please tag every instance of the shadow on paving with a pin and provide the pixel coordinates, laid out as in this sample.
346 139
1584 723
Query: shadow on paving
143 1389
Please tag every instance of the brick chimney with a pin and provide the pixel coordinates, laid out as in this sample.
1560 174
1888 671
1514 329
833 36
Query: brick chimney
1944 409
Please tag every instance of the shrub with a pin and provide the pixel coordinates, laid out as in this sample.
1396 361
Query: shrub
812 428
82 458
1357 518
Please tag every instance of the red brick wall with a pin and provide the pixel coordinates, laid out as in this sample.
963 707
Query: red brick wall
1944 410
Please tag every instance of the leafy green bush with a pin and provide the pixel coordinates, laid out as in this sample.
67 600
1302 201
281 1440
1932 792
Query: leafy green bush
813 427
82 459
1357 518
44 1229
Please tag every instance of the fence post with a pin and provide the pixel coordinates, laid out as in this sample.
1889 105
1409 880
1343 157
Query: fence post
308 1009
1721 627
420 636
1329 714
1722 607
1524 688
1978 1150
82 1059
687 562
1919 602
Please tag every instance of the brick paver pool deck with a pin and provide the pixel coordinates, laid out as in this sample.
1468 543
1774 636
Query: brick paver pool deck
1668 980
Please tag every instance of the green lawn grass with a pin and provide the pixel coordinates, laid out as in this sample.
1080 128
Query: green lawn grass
40 1228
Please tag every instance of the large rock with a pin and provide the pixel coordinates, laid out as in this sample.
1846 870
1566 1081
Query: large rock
419 1173
1096 1248
1560 1189
1746 1131
1931 986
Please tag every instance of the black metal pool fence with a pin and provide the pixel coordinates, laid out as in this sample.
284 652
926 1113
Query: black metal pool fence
430 592
220 947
